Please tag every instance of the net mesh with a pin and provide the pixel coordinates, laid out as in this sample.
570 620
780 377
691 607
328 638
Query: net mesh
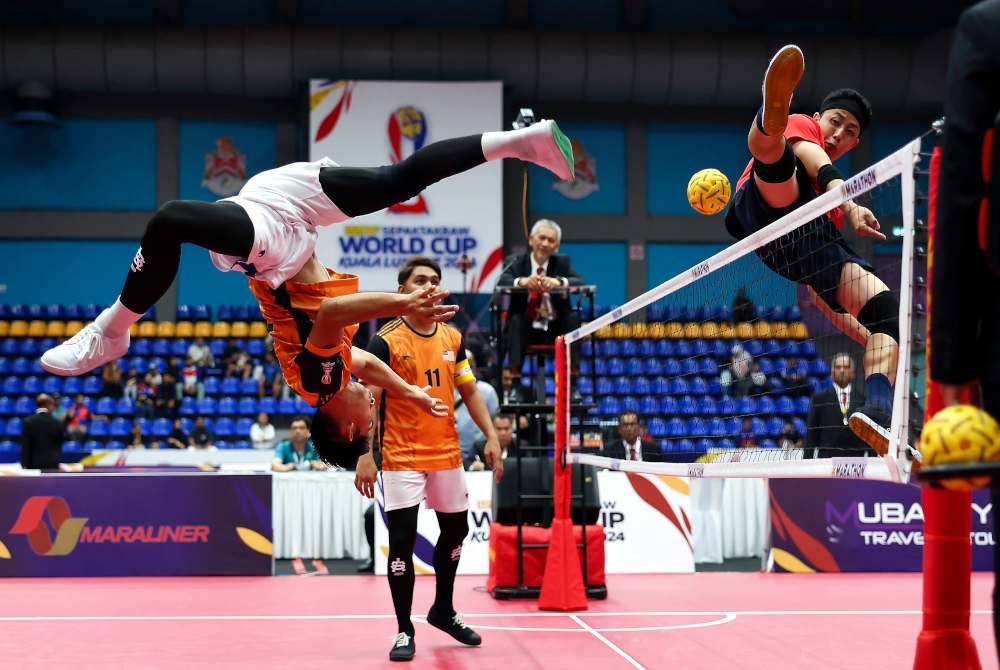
731 369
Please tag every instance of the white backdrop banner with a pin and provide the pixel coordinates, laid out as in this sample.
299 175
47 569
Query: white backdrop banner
369 123
646 521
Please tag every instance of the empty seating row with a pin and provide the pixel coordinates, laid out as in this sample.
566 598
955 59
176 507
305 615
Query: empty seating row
720 349
703 445
717 427
8 447
693 329
705 406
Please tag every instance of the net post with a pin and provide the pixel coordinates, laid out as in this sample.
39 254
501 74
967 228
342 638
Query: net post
562 583
944 640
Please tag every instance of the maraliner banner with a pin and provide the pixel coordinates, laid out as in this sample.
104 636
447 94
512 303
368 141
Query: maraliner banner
371 123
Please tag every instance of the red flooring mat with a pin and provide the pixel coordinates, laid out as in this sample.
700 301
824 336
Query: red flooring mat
705 620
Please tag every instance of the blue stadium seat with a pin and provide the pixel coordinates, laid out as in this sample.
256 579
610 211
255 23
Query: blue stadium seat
249 387
12 386
800 426
601 366
241 444
758 426
230 386
6 406
269 405
587 348
697 427
819 367
35 368
609 406
31 386
642 386
765 405
768 443
212 386
72 386
807 349
247 406
52 385
161 347
726 443
715 386
727 406
767 366
790 348
754 347
13 427
217 347
747 405
802 405
99 428
707 367
661 386
785 405
188 407
616 367
585 385
161 427
689 366
657 428
141 346
665 348
705 444
92 385
137 363
707 406
242 427
608 348
125 407
202 313
669 406
719 350
24 406
630 404
684 349
184 313
679 386
302 407
698 386
635 366
586 367
4 366
734 426
105 406
717 427
653 366
70 446
656 312
244 312
255 347
223 427
20 366
648 405
629 347
671 367
685 446
286 406
774 426
677 427
605 386
9 347
120 427
91 446
688 406
227 405
207 406
772 348
623 385
145 425
36 311
224 313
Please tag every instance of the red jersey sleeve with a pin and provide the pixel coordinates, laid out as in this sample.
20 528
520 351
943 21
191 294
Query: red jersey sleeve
803 127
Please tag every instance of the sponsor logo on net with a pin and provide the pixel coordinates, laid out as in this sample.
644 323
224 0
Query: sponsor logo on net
859 183
40 513
696 470
894 523
700 270
849 468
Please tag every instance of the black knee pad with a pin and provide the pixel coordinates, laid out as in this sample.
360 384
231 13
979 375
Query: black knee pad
162 225
780 171
881 315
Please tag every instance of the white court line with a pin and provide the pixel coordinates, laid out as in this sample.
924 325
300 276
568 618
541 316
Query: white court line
349 617
611 645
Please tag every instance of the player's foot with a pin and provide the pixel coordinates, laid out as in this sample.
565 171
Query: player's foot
455 626
88 349
548 147
871 424
782 76
403 648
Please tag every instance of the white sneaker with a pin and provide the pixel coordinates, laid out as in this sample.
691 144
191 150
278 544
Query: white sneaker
83 352
549 147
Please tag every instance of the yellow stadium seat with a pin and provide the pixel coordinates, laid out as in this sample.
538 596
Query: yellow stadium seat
744 331
240 329
692 330
55 329
18 328
779 330
4 328
710 329
147 329
258 329
763 330
184 329
798 331
603 333
166 329
657 330
133 330
640 330
621 330
36 329
73 327
726 330
203 329
675 330
219 329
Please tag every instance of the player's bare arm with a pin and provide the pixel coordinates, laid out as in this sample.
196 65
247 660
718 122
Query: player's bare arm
815 159
481 416
370 369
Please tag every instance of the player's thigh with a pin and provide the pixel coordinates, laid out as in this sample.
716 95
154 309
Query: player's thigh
447 491
403 488
857 287
778 195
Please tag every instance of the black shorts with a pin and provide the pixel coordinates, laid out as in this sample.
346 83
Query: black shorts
812 254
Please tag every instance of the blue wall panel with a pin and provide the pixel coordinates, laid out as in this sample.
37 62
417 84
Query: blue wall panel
602 264
200 283
198 139
605 143
82 164
75 271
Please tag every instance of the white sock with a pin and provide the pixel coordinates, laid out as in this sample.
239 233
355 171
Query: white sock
513 143
115 320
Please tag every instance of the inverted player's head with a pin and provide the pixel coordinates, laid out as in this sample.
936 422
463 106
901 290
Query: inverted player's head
843 116
343 427
544 240
418 272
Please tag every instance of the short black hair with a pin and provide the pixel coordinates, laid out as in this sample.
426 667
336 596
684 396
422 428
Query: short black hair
417 262
303 418
331 448
852 101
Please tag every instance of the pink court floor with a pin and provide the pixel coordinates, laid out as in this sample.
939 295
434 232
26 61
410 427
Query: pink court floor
705 620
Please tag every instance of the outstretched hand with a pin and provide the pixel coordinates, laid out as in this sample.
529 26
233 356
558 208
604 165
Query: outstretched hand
865 224
426 303
427 402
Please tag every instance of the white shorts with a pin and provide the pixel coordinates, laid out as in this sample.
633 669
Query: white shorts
444 490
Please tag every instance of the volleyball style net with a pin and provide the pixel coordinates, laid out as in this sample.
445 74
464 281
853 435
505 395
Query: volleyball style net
757 386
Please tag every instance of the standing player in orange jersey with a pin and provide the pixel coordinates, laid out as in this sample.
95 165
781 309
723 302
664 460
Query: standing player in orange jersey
421 456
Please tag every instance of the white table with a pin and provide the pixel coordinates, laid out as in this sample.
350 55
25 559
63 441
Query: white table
318 515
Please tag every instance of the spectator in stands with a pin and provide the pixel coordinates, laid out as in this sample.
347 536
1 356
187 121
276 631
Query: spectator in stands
758 380
136 439
748 438
468 431
111 376
200 437
504 426
628 446
165 402
178 439
827 432
743 307
297 452
270 376
58 409
133 384
537 316
200 354
144 408
153 378
790 437
735 377
41 437
794 377
77 418
190 379
513 393
262 432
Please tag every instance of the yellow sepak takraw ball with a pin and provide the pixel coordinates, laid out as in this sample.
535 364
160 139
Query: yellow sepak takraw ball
708 191
960 434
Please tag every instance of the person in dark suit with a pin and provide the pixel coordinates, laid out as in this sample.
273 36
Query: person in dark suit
628 445
538 316
42 437
504 426
828 434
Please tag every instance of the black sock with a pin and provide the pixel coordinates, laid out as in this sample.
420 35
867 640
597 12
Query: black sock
223 227
358 191
447 552
402 537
